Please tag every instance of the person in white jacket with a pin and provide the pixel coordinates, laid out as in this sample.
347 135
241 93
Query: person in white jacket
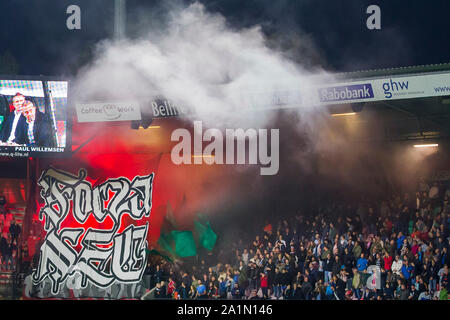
397 265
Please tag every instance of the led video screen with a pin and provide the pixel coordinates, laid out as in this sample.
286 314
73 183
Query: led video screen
33 117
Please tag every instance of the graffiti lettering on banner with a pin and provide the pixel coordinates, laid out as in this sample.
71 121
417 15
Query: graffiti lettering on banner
106 257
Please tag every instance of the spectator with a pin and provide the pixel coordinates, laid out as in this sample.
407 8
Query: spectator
171 286
362 263
407 269
323 256
357 251
404 292
387 261
3 208
14 230
397 266
236 292
368 294
7 248
158 291
388 292
183 291
201 290
192 292
327 267
264 285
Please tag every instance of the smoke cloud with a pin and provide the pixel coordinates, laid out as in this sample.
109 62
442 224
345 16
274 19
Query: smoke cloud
196 60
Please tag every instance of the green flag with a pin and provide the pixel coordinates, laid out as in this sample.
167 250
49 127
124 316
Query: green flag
206 235
184 243
167 242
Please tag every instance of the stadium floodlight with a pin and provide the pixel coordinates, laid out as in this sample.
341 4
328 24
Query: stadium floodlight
431 145
343 114
140 126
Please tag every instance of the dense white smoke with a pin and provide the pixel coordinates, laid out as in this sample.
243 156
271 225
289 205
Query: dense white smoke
195 59
198 61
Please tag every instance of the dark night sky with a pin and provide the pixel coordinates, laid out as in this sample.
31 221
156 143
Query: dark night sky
413 32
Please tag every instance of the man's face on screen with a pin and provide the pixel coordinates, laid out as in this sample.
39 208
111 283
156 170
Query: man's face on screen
29 111
18 102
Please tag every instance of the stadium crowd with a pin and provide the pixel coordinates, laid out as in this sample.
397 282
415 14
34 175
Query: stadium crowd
393 249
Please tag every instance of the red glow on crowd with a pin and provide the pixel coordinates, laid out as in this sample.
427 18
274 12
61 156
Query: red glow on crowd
138 153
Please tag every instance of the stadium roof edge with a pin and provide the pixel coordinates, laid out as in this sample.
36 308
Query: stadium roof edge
407 70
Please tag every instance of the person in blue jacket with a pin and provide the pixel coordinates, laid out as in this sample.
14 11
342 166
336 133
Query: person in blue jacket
407 269
361 264
400 239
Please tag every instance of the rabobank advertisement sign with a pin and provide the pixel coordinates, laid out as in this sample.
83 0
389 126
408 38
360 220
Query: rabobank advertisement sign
345 93
386 88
